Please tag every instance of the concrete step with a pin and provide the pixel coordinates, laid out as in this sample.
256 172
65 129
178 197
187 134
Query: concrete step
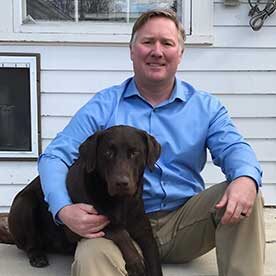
13 262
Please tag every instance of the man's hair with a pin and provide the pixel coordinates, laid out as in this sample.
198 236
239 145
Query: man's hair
166 13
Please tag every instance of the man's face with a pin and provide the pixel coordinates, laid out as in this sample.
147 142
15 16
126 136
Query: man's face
156 51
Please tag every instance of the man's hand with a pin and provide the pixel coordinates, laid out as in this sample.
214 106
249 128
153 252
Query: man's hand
238 200
84 220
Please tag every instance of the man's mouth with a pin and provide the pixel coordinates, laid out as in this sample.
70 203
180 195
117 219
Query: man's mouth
155 64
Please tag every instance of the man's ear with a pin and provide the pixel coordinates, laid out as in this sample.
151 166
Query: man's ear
88 152
154 150
131 52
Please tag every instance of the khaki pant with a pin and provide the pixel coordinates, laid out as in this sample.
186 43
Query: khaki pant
185 234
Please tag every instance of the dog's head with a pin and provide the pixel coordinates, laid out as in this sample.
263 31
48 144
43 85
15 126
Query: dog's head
119 156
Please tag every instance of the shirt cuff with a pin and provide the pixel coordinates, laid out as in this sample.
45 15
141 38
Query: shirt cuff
252 173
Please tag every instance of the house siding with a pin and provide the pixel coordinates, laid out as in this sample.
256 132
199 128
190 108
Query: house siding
239 68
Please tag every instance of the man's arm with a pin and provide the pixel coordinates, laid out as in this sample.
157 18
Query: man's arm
62 152
53 172
228 148
238 162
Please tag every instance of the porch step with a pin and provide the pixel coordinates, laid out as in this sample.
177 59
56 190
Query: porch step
13 262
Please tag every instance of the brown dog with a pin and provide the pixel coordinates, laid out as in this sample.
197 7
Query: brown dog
109 176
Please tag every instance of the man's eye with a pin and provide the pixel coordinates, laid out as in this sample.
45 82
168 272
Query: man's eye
168 43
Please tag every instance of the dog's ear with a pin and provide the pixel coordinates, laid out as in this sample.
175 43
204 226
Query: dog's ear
154 151
88 152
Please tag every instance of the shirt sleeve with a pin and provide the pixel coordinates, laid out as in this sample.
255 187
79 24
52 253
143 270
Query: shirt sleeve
52 171
54 163
228 148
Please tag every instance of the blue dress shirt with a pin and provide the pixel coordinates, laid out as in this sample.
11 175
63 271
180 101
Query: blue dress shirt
185 125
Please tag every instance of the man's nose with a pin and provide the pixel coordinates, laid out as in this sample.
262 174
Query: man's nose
157 50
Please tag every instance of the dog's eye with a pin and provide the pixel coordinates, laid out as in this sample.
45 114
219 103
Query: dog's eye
133 154
109 154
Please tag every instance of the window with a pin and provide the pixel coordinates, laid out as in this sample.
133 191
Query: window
19 135
124 11
107 21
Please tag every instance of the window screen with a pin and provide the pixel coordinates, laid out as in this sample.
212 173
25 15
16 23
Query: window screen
15 114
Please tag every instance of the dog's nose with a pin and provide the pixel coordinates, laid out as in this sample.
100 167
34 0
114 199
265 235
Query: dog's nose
122 184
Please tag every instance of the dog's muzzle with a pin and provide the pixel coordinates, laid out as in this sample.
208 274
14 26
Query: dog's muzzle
121 187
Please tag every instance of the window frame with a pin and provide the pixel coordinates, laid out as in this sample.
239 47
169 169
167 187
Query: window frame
198 22
31 61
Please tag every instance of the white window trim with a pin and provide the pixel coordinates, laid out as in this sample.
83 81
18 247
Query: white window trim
31 63
202 22
201 27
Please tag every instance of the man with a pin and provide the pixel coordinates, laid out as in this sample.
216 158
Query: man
187 220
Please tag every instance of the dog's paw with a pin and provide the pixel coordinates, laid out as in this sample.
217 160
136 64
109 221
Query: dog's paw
39 261
136 268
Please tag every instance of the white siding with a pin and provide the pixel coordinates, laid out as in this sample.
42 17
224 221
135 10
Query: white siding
239 68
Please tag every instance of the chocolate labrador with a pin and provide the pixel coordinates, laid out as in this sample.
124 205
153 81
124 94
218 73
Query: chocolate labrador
108 175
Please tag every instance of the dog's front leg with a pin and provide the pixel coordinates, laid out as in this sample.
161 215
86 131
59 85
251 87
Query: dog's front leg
142 234
134 260
151 255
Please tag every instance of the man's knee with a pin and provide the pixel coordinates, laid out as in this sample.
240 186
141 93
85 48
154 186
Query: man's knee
258 207
99 255
96 249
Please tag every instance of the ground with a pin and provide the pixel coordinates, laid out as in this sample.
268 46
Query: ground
13 262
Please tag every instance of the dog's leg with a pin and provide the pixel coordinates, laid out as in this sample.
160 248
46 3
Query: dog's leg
145 239
24 228
151 255
134 260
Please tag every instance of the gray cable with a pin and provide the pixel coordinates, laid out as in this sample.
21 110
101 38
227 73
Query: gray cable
259 16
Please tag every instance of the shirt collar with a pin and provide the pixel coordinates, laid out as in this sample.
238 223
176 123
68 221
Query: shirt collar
180 92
